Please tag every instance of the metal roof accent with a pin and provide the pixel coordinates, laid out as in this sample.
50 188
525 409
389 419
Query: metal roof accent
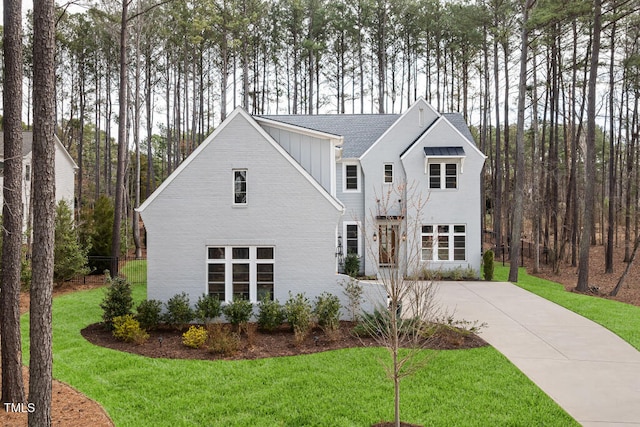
444 151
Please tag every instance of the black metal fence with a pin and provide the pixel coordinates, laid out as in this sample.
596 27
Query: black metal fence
527 249
134 269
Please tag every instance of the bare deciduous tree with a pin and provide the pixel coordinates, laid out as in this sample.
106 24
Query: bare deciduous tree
405 324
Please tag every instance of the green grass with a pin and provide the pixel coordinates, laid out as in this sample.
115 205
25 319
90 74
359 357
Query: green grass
338 388
135 271
620 318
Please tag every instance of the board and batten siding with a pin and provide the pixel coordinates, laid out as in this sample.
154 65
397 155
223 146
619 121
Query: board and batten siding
315 155
284 209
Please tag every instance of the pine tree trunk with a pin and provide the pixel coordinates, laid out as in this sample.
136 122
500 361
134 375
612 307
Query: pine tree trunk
520 170
12 385
122 143
40 363
590 160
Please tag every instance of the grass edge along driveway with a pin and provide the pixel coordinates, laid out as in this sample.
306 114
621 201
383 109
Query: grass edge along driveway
620 318
339 388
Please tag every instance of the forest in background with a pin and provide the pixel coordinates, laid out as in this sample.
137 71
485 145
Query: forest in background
192 62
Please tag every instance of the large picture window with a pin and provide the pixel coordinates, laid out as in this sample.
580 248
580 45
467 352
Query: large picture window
443 243
443 175
245 272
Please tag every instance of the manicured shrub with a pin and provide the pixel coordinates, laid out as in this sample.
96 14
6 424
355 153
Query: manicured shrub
117 300
195 337
127 328
487 265
149 313
298 312
238 312
270 314
179 311
354 291
208 308
352 264
327 312
221 340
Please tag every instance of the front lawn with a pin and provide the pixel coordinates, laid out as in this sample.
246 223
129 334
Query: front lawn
620 318
338 388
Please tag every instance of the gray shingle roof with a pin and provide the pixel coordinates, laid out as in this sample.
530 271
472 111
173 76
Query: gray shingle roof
457 120
360 131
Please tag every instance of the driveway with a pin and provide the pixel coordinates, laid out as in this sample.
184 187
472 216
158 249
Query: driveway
589 371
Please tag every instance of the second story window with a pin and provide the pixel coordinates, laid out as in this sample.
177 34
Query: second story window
351 179
388 173
443 175
240 187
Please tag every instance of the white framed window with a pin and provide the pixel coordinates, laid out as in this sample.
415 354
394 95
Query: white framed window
239 187
352 239
443 175
443 242
245 272
351 177
388 173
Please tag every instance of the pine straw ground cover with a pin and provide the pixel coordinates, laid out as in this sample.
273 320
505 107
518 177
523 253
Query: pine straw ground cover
338 388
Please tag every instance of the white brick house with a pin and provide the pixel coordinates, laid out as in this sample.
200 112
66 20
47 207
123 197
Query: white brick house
265 202
65 172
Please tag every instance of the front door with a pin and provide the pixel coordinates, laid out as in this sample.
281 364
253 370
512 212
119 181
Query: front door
388 245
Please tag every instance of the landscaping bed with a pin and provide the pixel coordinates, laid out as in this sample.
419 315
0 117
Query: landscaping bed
167 342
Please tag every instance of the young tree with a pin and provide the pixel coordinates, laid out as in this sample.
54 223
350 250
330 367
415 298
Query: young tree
44 79
405 323
12 385
70 257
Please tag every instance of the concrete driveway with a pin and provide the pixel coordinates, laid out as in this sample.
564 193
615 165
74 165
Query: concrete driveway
589 371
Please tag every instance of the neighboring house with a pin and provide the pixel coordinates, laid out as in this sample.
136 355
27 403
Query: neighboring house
265 202
65 170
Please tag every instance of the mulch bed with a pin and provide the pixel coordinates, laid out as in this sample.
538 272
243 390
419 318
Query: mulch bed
167 343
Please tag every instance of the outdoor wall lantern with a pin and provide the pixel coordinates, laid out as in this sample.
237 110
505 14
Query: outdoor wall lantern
375 237
339 248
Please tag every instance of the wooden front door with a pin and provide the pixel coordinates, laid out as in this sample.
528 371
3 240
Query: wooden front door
388 245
